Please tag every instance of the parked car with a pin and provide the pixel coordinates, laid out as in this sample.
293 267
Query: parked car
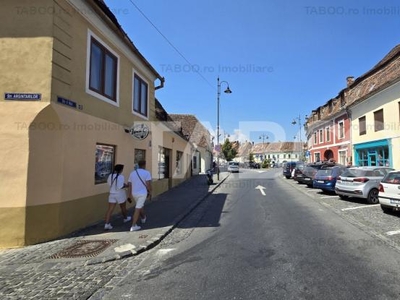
309 172
298 171
389 192
361 182
325 179
254 165
233 167
288 168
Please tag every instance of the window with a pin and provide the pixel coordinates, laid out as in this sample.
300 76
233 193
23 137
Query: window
317 157
178 165
341 129
104 162
139 155
362 126
378 120
140 96
315 138
327 134
321 136
164 155
399 109
102 70
342 157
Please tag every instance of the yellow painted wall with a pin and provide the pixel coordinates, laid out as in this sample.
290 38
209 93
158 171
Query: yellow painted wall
47 168
388 100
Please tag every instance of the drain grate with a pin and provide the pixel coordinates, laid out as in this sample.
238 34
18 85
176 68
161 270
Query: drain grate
88 248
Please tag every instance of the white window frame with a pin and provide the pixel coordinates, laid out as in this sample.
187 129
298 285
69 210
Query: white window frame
327 134
321 136
91 35
341 137
315 138
133 95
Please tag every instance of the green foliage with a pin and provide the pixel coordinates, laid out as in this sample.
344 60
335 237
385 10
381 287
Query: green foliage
266 163
228 151
251 157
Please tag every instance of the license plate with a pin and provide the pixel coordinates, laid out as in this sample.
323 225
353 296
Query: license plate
320 181
393 201
307 178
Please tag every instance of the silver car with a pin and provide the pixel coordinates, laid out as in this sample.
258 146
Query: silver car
361 182
389 192
233 167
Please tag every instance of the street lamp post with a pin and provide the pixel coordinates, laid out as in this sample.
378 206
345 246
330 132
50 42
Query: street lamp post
263 137
228 91
295 121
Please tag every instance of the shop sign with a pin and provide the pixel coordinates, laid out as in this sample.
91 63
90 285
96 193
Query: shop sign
139 131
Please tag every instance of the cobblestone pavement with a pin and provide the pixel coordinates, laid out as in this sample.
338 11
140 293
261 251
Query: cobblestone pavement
370 218
31 272
25 275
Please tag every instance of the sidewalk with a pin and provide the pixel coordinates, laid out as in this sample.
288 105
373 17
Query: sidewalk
93 245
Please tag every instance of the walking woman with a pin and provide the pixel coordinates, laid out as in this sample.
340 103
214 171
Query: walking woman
116 181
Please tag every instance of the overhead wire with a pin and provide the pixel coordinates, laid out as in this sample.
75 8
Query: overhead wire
170 43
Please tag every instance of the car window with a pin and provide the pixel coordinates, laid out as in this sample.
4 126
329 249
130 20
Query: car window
353 173
392 178
378 173
324 172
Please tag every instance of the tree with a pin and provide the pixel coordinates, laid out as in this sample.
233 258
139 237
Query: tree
251 157
228 151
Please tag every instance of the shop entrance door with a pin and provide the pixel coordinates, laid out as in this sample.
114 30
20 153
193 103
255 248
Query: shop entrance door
372 158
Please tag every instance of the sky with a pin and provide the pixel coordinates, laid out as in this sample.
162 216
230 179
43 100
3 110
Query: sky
280 58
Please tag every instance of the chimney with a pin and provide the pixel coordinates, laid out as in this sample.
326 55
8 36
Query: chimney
350 80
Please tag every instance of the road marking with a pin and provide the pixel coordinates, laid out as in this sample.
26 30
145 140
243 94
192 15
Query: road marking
261 188
357 207
324 197
393 232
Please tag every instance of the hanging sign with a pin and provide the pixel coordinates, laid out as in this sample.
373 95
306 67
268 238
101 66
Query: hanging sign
139 131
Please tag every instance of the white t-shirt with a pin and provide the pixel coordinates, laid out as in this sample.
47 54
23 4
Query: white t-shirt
116 185
139 187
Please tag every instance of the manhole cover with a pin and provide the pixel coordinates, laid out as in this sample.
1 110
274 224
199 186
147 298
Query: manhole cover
88 248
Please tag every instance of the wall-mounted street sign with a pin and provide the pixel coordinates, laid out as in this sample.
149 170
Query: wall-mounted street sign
69 103
22 96
139 131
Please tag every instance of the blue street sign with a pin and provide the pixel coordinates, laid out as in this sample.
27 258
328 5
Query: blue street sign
22 96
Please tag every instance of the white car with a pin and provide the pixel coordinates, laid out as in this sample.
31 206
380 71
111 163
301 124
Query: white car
389 192
233 167
361 182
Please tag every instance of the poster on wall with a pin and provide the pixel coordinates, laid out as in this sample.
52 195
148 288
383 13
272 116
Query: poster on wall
105 156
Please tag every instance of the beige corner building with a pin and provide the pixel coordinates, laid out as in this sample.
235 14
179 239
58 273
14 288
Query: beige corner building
77 97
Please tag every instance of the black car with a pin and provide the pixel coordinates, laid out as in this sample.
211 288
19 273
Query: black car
298 171
309 171
288 168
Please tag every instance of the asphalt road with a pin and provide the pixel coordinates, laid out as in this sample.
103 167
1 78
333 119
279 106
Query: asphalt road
272 243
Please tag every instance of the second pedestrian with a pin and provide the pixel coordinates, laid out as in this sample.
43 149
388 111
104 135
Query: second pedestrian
139 187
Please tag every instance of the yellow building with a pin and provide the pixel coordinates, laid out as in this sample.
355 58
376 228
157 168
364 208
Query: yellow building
77 98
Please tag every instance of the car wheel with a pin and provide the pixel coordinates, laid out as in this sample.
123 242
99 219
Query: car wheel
309 185
373 196
343 197
287 177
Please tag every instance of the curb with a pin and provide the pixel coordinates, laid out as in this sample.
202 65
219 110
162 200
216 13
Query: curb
156 240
